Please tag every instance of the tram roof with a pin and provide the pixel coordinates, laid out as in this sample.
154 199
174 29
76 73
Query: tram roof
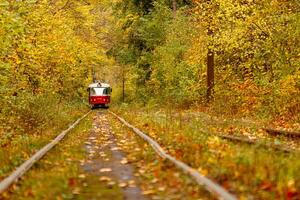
99 85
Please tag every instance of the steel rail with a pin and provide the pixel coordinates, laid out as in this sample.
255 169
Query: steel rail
282 148
285 148
258 141
291 134
202 180
22 169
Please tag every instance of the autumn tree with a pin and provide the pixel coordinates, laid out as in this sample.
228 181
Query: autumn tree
47 49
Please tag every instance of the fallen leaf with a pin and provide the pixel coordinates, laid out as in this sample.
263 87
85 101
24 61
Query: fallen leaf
124 161
105 170
105 178
122 185
202 171
123 141
28 193
72 182
111 183
147 192
102 154
154 180
76 190
131 183
177 174
266 185
81 176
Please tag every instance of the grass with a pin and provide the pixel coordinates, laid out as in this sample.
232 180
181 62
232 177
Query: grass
247 170
59 174
17 147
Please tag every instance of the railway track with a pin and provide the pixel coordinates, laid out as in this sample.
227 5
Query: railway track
157 128
259 142
239 139
272 134
202 180
276 132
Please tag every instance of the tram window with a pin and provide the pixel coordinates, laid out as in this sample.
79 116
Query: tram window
92 91
107 91
97 91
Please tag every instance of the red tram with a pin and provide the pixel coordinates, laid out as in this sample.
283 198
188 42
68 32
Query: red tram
99 94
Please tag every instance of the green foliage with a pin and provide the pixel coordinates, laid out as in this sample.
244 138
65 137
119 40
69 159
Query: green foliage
173 77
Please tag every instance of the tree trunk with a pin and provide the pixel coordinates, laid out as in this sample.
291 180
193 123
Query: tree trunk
210 71
123 85
94 74
174 3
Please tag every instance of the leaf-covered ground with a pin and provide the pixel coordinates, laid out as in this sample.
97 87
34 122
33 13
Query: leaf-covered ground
250 171
159 179
103 159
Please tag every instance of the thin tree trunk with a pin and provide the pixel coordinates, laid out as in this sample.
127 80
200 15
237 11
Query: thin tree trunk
94 74
123 85
210 71
174 3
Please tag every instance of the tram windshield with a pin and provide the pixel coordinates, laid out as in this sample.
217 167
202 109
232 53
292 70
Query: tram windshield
98 91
